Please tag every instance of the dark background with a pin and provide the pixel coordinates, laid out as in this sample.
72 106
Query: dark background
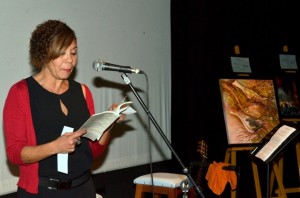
204 33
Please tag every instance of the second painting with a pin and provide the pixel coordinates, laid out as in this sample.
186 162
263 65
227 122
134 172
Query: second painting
288 99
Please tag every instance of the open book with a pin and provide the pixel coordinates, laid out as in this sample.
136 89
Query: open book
274 142
98 123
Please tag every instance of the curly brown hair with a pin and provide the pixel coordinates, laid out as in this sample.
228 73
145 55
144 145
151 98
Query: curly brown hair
48 41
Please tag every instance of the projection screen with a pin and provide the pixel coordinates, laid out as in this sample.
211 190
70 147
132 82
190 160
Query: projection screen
126 32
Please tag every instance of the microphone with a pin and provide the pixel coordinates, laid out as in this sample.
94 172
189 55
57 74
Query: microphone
99 65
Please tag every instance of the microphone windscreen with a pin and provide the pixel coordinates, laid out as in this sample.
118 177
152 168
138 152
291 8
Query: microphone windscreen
97 65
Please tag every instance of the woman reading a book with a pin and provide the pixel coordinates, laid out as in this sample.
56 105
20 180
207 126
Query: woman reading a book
40 114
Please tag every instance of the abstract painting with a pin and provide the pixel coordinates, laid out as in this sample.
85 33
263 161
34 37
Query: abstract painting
250 109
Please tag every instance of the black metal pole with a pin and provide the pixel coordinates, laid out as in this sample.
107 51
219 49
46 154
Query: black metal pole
185 170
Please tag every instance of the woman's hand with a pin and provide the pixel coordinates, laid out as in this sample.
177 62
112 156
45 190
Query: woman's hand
63 144
68 141
106 135
122 116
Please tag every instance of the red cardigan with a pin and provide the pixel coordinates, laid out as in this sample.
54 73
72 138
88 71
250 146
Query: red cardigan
19 132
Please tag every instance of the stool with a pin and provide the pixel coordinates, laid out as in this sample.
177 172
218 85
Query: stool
163 184
98 196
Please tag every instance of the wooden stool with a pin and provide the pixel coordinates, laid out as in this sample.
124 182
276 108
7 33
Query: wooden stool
163 184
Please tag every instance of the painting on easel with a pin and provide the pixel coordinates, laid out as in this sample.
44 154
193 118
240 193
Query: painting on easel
287 97
250 109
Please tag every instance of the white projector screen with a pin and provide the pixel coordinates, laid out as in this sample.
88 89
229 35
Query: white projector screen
125 32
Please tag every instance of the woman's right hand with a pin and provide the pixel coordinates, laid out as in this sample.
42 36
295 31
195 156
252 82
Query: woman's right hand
63 144
68 141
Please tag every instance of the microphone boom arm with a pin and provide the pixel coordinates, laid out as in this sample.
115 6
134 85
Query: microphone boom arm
185 170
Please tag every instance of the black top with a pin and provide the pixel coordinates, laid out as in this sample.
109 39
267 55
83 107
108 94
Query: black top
49 120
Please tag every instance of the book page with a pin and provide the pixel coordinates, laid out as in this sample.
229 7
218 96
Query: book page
129 110
98 123
277 139
122 107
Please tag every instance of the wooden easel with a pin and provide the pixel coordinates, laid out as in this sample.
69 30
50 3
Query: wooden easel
277 172
277 169
275 163
230 157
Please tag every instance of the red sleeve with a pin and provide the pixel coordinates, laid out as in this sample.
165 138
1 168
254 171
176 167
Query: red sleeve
96 148
18 128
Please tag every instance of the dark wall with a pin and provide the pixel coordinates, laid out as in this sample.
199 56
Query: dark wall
204 34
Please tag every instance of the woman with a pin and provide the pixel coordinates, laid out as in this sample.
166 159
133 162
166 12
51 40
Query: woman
36 111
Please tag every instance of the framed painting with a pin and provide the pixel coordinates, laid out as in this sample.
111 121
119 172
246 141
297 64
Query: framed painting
250 109
287 95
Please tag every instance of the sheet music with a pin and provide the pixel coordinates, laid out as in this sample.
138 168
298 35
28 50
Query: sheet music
277 139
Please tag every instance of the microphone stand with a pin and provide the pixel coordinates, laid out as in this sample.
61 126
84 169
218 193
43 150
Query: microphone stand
185 170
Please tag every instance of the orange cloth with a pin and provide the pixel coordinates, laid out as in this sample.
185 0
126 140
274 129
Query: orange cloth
217 178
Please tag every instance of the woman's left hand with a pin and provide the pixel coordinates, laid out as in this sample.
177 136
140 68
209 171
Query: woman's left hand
113 107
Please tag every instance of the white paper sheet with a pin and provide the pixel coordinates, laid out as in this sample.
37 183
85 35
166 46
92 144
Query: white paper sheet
62 158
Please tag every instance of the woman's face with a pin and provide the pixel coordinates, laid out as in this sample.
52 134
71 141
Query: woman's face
62 67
